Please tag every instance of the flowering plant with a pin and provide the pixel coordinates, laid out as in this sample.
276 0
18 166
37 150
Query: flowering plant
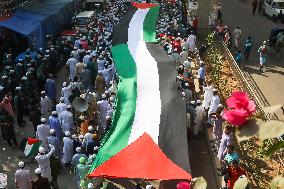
241 108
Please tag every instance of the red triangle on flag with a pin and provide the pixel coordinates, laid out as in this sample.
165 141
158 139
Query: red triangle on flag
141 159
32 141
143 5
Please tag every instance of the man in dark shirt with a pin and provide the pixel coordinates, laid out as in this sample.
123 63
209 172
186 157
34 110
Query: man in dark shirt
40 182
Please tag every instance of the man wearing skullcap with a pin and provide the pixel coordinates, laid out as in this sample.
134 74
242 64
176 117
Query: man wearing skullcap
102 109
55 124
215 101
66 92
61 106
23 177
43 132
75 162
66 119
83 170
45 105
41 182
67 149
71 64
88 137
43 161
79 68
100 83
53 140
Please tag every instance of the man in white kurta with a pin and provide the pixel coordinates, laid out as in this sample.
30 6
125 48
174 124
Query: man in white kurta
23 177
102 109
45 105
88 137
43 161
66 119
67 148
43 132
66 92
208 94
215 101
61 106
191 40
199 115
71 63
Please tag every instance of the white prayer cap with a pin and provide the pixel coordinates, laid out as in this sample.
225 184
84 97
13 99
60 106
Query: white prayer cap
67 133
21 164
38 171
42 92
69 106
149 187
41 150
43 120
24 78
108 117
64 84
74 136
96 148
54 112
111 99
81 136
183 93
215 90
111 82
106 92
61 98
78 149
192 102
100 72
103 96
4 77
81 117
90 186
52 131
90 128
198 101
220 106
186 84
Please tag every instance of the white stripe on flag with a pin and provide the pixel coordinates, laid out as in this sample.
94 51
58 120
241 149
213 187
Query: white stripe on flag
148 103
28 149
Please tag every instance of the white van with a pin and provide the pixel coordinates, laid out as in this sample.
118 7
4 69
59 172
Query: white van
82 20
272 8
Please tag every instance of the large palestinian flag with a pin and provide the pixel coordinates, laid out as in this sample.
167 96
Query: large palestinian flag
147 100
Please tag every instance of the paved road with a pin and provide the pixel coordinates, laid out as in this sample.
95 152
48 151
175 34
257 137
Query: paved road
270 84
9 157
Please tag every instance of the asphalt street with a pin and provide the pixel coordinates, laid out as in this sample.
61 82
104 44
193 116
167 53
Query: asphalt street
9 157
268 85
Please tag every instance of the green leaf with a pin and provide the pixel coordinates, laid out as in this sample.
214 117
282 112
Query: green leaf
277 182
272 109
271 129
248 130
274 148
241 183
199 183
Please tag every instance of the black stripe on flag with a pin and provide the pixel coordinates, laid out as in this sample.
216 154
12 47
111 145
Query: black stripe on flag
173 131
120 31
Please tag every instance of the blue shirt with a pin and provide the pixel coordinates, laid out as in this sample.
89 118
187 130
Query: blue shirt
201 73
231 157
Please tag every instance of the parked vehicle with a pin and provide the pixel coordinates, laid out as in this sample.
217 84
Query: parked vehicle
274 9
83 19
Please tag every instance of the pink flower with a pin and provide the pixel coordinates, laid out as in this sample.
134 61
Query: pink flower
241 108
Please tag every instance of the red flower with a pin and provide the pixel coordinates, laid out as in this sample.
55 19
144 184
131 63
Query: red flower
241 108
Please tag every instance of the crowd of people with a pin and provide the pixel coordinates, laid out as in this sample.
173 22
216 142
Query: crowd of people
204 106
71 138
